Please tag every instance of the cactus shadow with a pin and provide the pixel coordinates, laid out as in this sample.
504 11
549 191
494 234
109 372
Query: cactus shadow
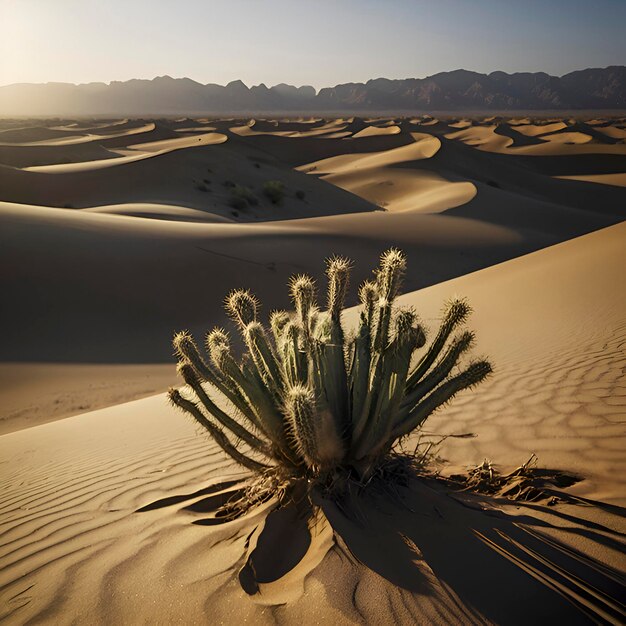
280 544
430 539
217 488
480 555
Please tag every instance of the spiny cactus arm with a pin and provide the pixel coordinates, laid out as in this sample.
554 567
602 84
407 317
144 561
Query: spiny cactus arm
300 412
409 337
473 375
338 272
302 290
187 350
189 376
254 399
241 306
316 368
378 397
390 273
263 402
359 379
390 389
269 414
334 353
330 371
293 358
368 425
361 360
312 430
443 368
389 279
368 294
263 356
216 433
226 372
278 324
456 312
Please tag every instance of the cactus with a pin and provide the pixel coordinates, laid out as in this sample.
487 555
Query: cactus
309 403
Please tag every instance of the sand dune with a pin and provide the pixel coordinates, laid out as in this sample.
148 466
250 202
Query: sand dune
482 136
74 545
461 124
423 146
65 139
199 176
160 212
36 134
138 152
613 132
256 128
534 130
619 180
372 176
373 131
166 206
26 156
569 138
520 137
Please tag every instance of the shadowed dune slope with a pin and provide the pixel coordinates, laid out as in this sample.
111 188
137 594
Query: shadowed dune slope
201 177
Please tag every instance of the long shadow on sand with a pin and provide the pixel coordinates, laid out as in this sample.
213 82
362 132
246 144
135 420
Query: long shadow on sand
521 565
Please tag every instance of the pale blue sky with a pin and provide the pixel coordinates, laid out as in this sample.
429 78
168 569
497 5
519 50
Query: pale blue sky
320 43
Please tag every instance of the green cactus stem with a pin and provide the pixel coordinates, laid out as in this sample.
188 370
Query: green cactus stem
313 432
216 433
474 374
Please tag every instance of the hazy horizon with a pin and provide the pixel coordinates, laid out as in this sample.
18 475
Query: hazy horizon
267 84
280 42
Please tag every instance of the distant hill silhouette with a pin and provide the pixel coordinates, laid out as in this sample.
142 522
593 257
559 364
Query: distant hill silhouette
448 91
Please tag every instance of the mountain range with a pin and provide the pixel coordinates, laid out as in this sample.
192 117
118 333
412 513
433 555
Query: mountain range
600 88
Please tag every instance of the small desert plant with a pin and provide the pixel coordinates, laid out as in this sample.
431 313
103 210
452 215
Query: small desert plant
241 197
300 194
312 405
274 190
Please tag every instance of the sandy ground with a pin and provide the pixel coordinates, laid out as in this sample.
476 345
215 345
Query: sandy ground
75 549
114 234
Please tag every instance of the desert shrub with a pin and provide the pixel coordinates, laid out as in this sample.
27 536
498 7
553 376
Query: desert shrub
202 187
300 194
311 405
274 190
241 197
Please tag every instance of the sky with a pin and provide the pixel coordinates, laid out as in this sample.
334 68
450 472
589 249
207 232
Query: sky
319 43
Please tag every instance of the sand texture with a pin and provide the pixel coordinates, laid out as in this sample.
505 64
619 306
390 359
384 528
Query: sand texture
116 233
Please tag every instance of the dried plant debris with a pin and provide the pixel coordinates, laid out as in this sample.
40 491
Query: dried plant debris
526 483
